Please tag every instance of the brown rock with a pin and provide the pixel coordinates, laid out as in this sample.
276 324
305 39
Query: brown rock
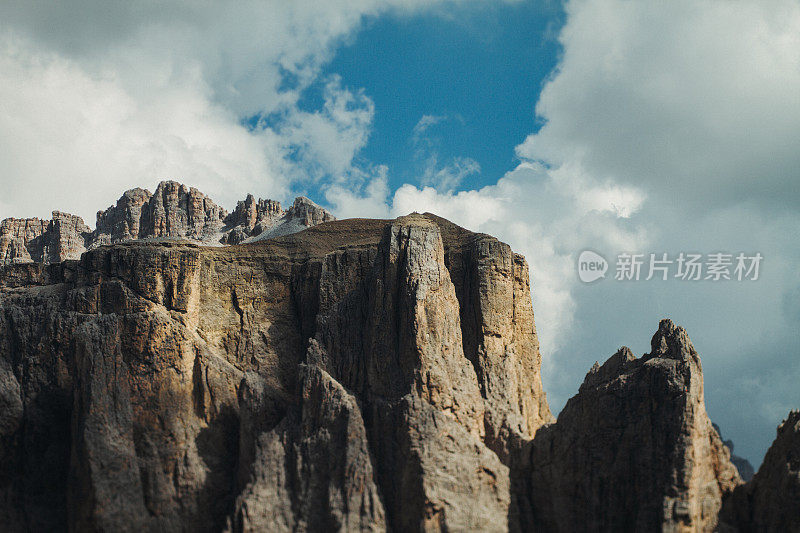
361 375
21 240
634 450
308 213
771 500
124 221
317 381
175 212
32 240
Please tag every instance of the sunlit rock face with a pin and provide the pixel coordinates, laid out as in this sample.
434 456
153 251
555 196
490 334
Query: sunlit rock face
359 375
181 368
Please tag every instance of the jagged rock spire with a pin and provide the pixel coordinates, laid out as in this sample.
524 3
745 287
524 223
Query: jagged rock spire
175 211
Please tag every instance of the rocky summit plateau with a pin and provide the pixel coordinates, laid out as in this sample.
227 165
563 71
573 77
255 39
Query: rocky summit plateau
182 368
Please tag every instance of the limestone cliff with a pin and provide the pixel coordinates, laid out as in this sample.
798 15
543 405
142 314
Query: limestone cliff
174 211
353 376
358 375
634 450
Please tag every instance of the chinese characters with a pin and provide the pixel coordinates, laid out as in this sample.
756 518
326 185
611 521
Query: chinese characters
688 266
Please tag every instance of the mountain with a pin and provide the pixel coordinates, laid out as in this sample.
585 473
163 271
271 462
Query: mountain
174 211
359 375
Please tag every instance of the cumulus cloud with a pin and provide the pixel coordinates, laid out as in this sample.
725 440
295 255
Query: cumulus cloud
363 195
699 103
667 127
75 140
102 96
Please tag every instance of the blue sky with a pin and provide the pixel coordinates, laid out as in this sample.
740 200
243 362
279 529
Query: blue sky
481 71
608 125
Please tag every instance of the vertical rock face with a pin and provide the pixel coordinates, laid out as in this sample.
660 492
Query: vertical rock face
174 210
499 337
362 375
322 381
180 211
20 240
771 500
32 240
123 222
420 392
634 450
252 217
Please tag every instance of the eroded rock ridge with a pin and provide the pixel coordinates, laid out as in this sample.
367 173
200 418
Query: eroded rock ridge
174 211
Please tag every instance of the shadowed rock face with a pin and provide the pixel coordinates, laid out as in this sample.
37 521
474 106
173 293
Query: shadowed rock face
771 500
634 450
354 376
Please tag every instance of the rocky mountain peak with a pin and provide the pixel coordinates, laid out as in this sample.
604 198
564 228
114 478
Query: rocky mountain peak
630 416
358 375
175 211
672 342
308 213
615 366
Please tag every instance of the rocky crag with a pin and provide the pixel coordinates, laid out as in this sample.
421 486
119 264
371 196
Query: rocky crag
771 501
175 211
360 375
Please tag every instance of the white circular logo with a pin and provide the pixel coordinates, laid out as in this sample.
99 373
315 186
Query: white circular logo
591 266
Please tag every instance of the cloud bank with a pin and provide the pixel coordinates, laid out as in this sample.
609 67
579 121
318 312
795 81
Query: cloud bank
666 127
102 96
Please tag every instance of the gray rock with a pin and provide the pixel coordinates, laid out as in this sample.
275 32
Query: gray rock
316 382
771 500
634 450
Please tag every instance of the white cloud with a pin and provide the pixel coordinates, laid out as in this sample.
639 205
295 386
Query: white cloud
424 123
445 176
75 140
324 142
361 196
668 126
548 217
102 96
697 102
